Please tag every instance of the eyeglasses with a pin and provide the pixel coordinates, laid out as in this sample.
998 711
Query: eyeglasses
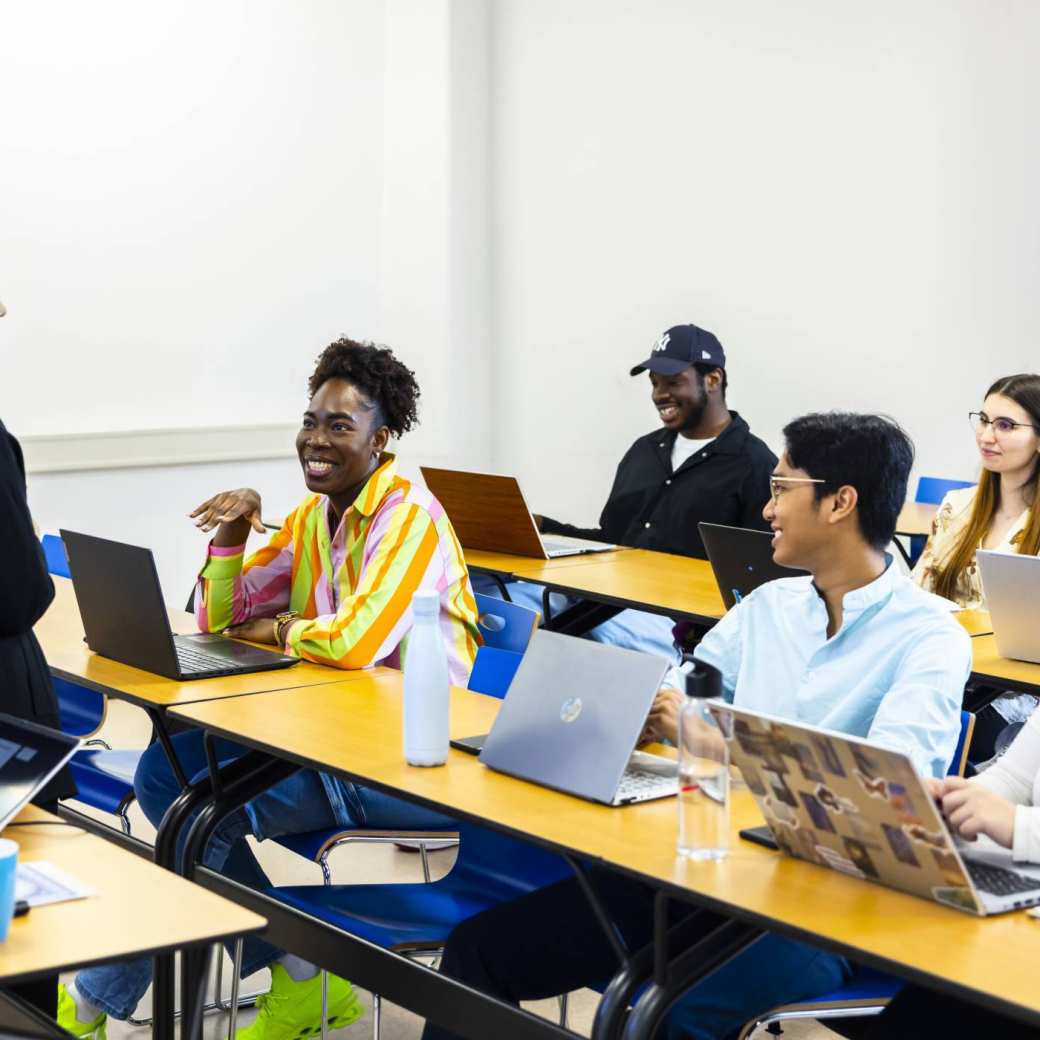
1001 427
776 484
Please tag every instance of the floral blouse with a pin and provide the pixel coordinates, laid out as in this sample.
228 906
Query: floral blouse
949 523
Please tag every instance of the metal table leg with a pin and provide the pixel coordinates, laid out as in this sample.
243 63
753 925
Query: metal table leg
673 978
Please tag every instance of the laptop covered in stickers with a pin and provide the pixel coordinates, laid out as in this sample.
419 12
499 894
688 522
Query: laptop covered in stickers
861 809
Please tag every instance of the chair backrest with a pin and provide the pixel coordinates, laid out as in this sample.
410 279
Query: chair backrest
960 754
932 490
54 552
504 625
493 671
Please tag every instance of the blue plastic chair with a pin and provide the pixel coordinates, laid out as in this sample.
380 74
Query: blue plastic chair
417 918
104 779
932 490
868 991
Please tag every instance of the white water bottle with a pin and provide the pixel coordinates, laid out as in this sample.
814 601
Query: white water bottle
703 770
426 687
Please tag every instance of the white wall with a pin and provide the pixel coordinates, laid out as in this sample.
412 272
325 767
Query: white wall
844 193
188 192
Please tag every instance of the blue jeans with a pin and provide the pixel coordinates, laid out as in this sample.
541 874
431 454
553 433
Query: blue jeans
296 806
631 629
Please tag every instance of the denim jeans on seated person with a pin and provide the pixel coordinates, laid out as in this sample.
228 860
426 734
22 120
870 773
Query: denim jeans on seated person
295 806
630 629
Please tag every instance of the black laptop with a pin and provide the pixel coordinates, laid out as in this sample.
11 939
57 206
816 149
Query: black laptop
742 560
30 755
124 616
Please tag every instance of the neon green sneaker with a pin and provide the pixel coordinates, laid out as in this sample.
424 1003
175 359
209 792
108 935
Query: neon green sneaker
71 1024
292 1010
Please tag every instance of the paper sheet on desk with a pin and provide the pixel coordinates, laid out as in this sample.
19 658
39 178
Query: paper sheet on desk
40 883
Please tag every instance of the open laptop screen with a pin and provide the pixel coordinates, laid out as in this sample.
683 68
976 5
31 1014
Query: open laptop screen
29 756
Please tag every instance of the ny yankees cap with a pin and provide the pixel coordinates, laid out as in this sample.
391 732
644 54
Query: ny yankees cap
680 347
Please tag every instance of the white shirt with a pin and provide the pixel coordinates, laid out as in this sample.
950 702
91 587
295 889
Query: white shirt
685 448
894 672
1016 777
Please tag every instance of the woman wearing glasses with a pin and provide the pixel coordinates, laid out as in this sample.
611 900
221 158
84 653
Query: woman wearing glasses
1000 513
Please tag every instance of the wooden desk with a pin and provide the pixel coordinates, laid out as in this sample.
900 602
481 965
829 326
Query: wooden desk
60 632
660 583
975 622
915 518
355 730
507 566
139 909
989 667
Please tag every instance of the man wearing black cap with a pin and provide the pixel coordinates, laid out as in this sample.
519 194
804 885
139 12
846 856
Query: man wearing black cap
704 465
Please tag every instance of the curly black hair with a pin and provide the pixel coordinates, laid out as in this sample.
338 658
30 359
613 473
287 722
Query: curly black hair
377 374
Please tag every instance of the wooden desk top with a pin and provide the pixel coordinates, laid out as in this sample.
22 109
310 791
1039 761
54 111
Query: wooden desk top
662 583
60 632
975 622
355 729
916 518
989 666
528 567
138 909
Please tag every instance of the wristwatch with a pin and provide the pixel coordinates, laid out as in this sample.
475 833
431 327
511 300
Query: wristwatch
282 622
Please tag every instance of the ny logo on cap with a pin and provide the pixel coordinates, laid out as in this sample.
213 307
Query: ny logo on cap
705 355
662 343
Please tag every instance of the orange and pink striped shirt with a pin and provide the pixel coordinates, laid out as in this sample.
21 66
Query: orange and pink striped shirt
353 589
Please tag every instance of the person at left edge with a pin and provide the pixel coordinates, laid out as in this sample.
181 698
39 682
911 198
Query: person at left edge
26 591
334 585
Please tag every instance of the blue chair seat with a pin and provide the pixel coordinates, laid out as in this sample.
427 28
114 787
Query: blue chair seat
105 779
865 984
490 869
391 915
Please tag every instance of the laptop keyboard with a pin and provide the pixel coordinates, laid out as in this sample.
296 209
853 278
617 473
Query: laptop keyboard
192 661
636 782
1000 882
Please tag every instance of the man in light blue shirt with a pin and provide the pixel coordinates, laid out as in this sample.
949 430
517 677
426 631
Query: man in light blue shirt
854 646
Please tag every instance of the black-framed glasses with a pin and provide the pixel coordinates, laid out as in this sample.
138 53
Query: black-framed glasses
1002 427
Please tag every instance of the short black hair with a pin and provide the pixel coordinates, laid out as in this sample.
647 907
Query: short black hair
377 374
872 453
703 369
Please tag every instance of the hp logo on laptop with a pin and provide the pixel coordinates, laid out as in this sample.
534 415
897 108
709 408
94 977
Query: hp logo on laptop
570 709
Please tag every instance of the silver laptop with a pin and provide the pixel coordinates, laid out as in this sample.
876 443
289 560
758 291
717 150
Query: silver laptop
489 512
861 809
1012 586
574 712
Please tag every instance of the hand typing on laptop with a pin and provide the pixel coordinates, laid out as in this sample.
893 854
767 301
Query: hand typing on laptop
663 721
971 810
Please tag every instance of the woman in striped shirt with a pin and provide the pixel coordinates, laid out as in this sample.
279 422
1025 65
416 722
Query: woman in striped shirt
334 585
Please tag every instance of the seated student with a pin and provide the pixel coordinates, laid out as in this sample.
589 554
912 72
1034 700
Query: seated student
1003 804
1002 512
704 464
334 585
854 646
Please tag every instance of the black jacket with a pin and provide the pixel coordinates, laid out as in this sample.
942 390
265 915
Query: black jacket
650 507
26 591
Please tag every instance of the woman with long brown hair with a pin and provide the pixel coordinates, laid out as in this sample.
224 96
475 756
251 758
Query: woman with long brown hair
1002 512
